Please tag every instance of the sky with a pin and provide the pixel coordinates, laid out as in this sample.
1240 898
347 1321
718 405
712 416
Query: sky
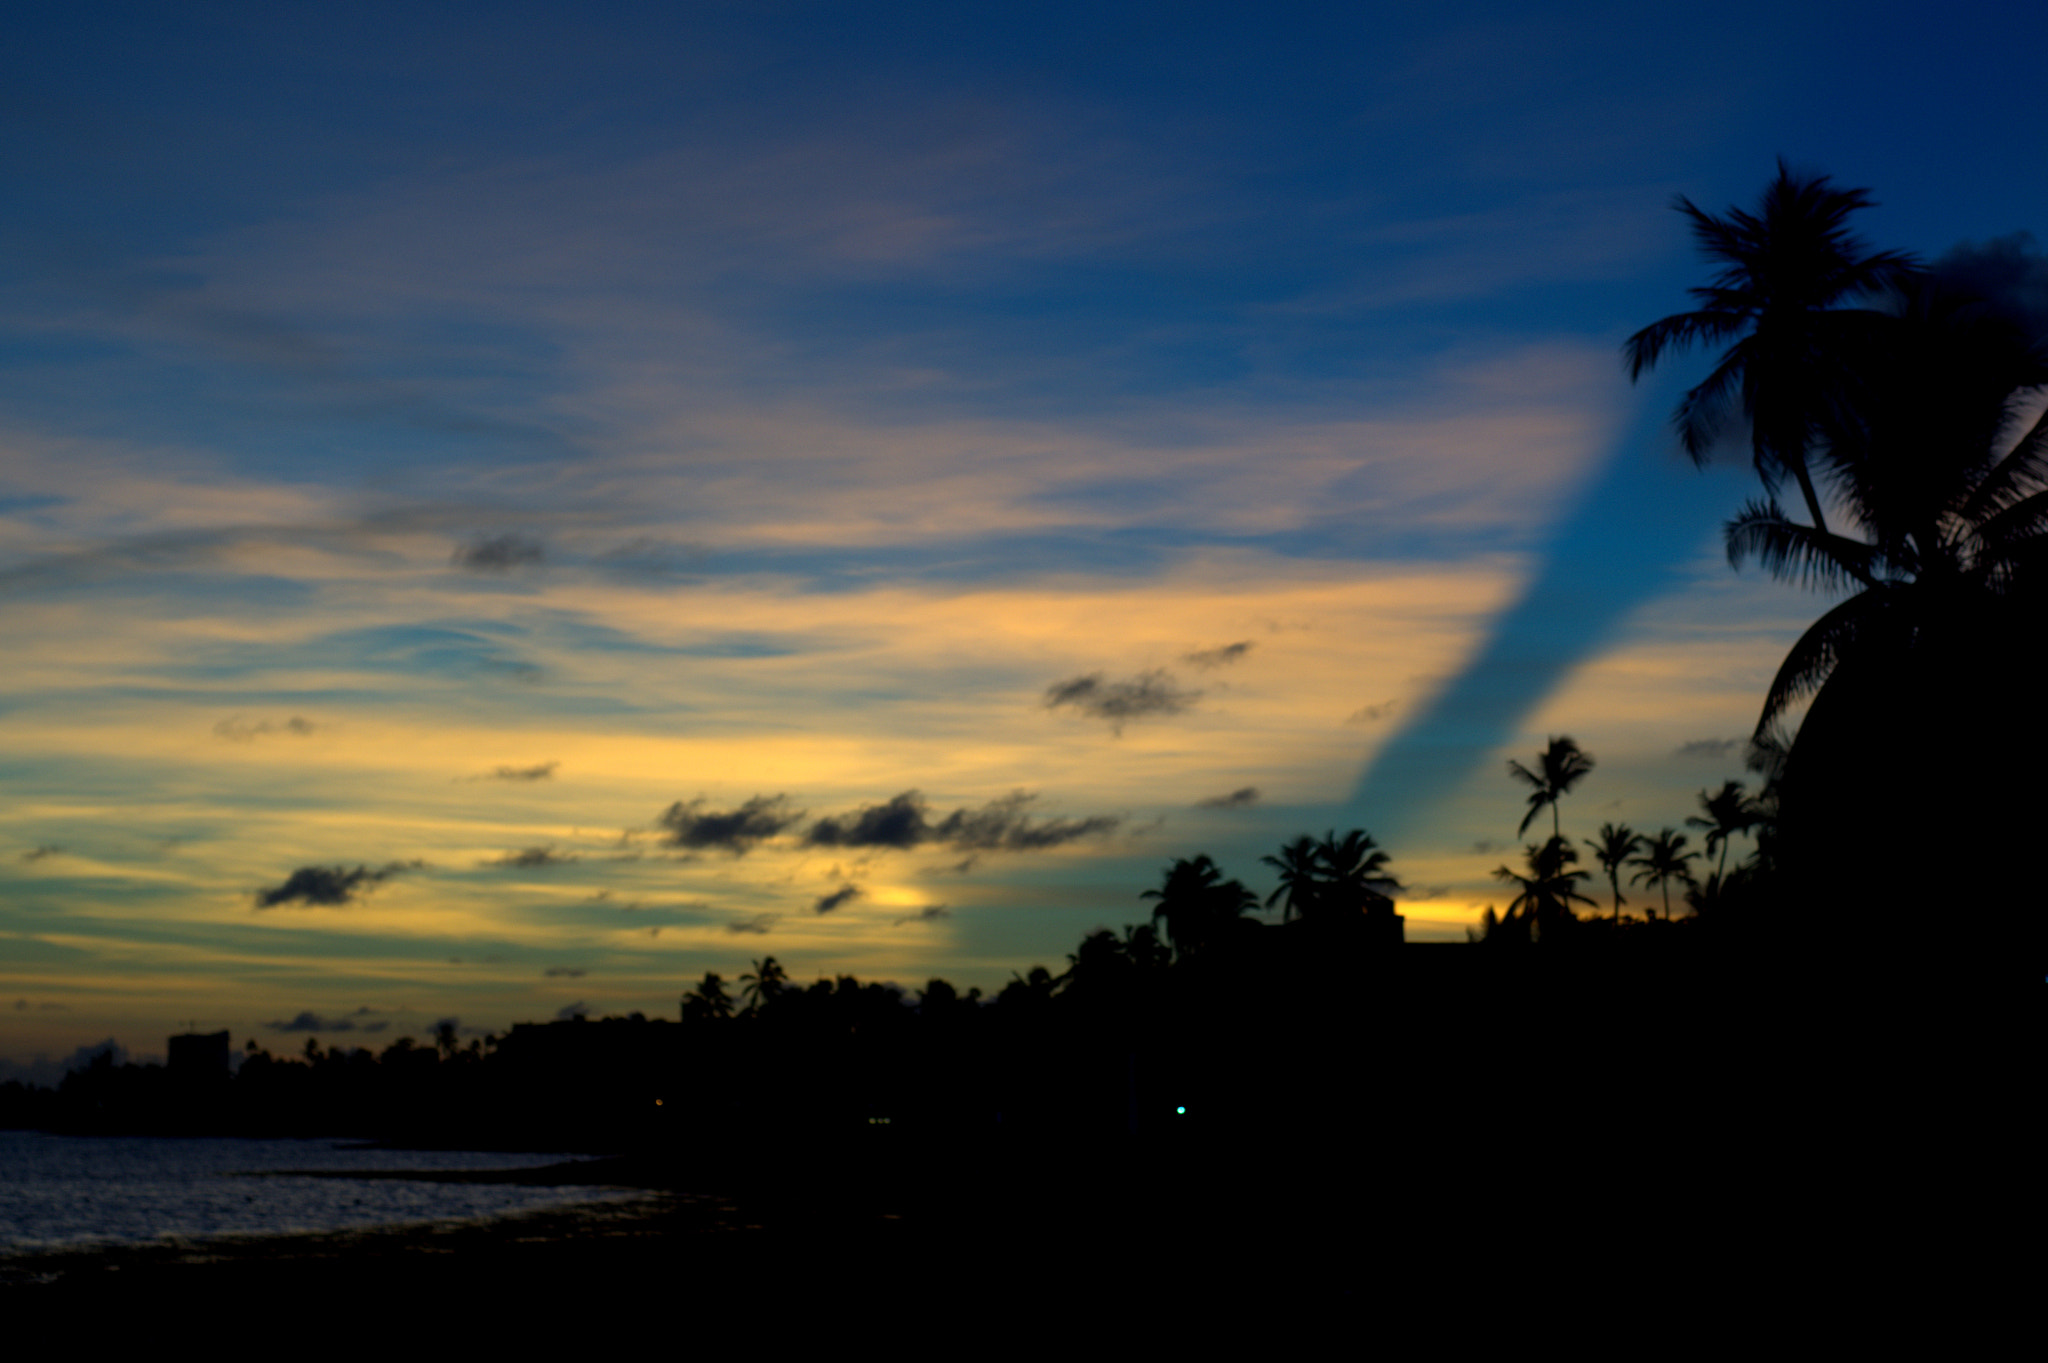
505 509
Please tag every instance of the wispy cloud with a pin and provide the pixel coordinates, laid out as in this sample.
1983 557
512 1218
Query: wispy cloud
239 730
329 886
839 898
309 1021
532 857
1221 656
693 826
1146 696
542 771
499 553
1002 825
1242 798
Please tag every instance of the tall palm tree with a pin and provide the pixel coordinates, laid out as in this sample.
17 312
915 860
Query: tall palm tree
1547 891
760 986
1355 870
1729 811
1198 904
1785 271
1663 860
1615 845
1559 767
1953 519
1921 682
1301 878
708 1002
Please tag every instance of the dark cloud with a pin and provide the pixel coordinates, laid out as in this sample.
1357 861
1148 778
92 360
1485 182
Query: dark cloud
1242 798
1003 826
930 913
734 830
759 923
329 885
311 1022
534 856
1218 657
839 898
1486 847
1147 694
48 849
2010 273
899 823
570 1011
564 972
999 826
499 553
1366 714
239 730
542 772
1709 747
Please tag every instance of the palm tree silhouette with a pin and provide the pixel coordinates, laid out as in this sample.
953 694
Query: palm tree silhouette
1934 657
760 986
1355 871
1197 903
1729 811
1559 767
1663 860
1301 878
1547 891
1784 271
708 1002
1954 528
1615 845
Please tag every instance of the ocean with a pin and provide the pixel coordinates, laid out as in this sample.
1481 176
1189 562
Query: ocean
61 1192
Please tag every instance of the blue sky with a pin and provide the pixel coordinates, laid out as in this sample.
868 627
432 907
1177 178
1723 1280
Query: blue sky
497 447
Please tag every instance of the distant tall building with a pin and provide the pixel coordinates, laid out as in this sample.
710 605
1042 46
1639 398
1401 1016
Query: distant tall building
199 1057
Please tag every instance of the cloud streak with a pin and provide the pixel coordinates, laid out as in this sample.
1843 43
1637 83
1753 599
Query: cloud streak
533 857
1003 825
1218 657
499 554
736 830
543 771
329 886
838 899
1148 695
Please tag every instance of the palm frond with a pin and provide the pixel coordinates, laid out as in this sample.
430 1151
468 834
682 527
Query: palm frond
2013 478
1817 559
2022 522
1676 332
1707 407
1813 658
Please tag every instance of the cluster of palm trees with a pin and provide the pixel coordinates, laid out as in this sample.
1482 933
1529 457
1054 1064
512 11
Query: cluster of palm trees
1321 880
1548 884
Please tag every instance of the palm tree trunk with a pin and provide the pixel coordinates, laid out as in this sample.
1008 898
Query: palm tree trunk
1820 522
